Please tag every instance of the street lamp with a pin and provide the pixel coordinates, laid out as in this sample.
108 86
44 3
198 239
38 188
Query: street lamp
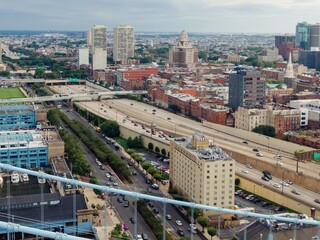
282 179
268 142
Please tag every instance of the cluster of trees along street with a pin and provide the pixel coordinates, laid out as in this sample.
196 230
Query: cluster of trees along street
152 221
100 149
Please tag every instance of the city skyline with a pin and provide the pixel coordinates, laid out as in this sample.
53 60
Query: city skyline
172 16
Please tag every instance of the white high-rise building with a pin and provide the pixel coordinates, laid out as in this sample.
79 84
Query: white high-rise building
123 43
83 56
99 59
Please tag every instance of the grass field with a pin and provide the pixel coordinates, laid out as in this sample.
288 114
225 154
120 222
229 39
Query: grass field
6 93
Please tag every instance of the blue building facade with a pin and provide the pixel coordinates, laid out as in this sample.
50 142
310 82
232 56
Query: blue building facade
25 149
17 117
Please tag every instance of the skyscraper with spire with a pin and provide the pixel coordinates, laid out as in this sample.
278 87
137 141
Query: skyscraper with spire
183 54
289 78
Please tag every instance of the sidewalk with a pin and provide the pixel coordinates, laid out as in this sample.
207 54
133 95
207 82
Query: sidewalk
106 219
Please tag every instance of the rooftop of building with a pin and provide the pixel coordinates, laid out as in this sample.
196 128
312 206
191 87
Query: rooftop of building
210 153
16 109
29 138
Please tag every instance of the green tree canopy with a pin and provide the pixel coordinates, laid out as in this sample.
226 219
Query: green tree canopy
203 221
110 128
212 231
265 130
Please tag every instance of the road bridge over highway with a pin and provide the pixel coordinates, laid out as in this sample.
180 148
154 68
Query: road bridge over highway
73 97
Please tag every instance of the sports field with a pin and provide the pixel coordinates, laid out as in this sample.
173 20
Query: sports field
6 93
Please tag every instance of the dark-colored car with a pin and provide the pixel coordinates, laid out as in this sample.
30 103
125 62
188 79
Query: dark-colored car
279 209
255 150
126 204
120 200
132 220
102 167
268 176
265 172
180 233
156 210
148 181
317 200
245 142
151 204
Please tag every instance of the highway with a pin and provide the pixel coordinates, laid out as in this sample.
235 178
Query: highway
139 185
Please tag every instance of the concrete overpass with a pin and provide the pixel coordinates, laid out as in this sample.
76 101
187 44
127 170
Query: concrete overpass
73 97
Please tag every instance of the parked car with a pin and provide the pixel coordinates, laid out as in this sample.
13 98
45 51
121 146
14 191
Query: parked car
156 210
126 204
180 233
155 186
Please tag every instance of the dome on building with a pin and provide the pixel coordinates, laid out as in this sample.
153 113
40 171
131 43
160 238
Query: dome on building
183 37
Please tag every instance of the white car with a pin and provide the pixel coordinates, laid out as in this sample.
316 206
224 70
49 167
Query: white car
249 166
284 183
259 154
276 185
245 171
193 226
178 222
108 175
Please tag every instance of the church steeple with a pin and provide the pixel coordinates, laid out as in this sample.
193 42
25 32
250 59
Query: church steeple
289 69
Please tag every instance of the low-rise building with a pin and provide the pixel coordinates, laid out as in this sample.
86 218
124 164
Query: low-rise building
282 120
203 173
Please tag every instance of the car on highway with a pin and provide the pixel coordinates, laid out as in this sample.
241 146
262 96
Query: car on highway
145 110
288 181
108 183
259 154
276 185
120 200
180 233
108 175
178 222
102 167
255 150
131 104
156 210
245 171
98 162
248 166
245 142
265 172
170 136
144 236
279 164
151 204
168 118
265 178
295 191
268 176
115 184
284 183
317 200
168 217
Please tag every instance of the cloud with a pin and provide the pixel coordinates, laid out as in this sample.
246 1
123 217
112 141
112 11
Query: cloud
155 15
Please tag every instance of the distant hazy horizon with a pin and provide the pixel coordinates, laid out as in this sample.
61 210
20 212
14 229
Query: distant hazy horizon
204 16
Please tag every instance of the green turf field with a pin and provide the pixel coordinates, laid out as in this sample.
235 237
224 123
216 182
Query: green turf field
6 93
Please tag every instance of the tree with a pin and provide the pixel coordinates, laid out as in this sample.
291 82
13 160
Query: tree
203 221
196 212
237 181
157 150
212 231
150 146
4 73
110 128
202 55
163 152
265 130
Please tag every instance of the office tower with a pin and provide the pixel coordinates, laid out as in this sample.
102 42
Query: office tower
123 43
183 54
99 59
285 45
314 30
302 35
246 88
202 172
83 56
310 59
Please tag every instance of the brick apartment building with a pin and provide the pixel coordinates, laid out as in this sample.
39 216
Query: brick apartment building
134 78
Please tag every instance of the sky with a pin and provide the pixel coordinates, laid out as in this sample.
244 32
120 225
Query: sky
227 16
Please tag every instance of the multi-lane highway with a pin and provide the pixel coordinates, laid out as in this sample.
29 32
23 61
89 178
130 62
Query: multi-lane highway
139 185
